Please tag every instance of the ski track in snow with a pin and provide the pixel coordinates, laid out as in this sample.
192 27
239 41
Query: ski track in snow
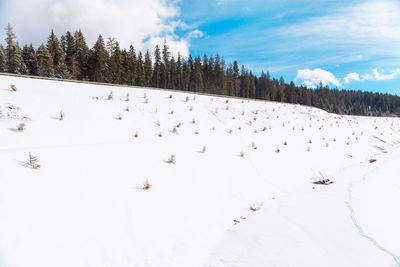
357 225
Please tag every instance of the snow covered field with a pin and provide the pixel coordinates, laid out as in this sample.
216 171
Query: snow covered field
240 193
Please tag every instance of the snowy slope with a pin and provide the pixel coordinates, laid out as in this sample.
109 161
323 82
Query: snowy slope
85 206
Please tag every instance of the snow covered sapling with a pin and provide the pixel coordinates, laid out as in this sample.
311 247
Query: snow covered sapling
136 134
178 125
171 159
127 97
170 96
146 185
253 146
110 96
174 131
204 149
61 115
13 88
277 150
33 161
119 117
187 99
160 134
241 154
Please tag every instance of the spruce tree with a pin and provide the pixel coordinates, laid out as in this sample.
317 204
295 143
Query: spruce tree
82 55
99 61
133 66
165 65
45 62
71 56
13 52
157 67
116 68
140 70
30 60
2 59
148 69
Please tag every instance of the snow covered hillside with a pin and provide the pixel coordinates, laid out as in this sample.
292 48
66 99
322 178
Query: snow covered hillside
230 182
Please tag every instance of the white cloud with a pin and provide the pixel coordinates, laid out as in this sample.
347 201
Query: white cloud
195 34
383 77
312 78
371 27
354 76
137 22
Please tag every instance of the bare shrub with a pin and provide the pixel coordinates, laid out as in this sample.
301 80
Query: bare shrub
21 127
171 159
160 134
170 96
253 146
174 131
61 115
277 150
241 154
285 143
33 161
13 87
119 117
136 134
193 121
146 185
178 125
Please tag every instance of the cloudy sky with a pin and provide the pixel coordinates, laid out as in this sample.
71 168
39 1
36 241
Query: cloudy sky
351 44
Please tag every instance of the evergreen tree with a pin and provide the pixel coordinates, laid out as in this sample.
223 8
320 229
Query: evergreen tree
2 59
148 69
157 68
197 81
116 69
133 66
45 62
99 61
70 56
82 55
30 59
140 70
12 51
165 77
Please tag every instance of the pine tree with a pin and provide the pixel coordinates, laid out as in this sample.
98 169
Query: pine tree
99 60
179 73
116 69
157 68
82 55
140 70
53 46
13 52
148 69
132 76
2 59
30 59
197 81
45 62
165 77
70 56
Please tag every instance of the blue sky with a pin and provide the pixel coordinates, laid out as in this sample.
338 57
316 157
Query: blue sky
351 44
326 40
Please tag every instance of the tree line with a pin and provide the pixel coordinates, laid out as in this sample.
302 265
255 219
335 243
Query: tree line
69 57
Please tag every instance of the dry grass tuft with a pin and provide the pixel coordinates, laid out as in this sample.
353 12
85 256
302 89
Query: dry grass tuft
21 127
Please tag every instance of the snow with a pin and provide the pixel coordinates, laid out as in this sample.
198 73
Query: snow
86 205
